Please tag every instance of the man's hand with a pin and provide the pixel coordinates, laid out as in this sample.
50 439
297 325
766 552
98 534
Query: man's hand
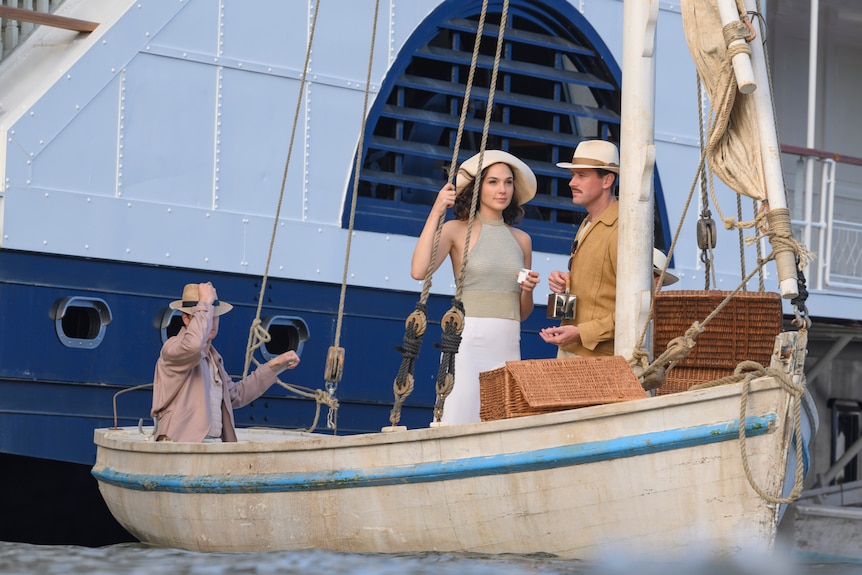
287 360
562 335
206 293
557 281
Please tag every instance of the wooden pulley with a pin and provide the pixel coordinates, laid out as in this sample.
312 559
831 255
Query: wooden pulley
455 317
418 318
334 364
706 233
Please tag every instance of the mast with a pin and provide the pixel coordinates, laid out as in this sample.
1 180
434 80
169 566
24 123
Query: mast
637 160
785 261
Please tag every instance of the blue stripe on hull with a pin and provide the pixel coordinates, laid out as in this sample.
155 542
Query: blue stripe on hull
551 458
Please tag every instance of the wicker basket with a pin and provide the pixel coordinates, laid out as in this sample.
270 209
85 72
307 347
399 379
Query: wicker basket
535 386
744 329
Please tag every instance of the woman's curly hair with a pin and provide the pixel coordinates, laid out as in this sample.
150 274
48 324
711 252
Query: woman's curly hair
511 215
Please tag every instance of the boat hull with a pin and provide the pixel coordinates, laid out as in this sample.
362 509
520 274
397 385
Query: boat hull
658 475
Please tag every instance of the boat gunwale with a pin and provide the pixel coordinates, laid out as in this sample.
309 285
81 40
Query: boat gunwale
122 438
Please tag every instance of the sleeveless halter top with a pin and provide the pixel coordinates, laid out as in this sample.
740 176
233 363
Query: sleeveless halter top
490 278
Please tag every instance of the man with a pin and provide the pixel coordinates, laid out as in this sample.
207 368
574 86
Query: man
193 395
592 273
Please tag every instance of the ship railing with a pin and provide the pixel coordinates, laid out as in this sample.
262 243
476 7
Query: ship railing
19 18
825 198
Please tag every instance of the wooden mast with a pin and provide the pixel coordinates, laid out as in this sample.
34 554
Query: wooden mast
637 161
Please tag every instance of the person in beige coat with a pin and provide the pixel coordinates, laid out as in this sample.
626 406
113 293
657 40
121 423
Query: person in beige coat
193 395
592 273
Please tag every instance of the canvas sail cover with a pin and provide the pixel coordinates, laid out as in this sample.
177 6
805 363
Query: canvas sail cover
733 143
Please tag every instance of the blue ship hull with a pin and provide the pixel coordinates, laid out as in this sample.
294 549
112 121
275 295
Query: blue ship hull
55 396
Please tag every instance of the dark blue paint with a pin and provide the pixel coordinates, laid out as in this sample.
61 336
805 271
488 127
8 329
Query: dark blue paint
53 397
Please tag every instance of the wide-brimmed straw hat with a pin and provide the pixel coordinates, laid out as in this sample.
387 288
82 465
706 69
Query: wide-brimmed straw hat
597 154
525 179
190 299
658 262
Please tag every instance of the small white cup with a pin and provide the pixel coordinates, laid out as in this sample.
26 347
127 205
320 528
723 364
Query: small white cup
522 275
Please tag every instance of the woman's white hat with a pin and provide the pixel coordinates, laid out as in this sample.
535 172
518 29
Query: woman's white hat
525 179
597 154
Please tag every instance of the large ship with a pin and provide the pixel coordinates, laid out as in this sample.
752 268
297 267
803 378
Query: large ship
148 144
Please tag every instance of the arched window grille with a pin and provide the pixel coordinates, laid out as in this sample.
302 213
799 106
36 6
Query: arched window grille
557 85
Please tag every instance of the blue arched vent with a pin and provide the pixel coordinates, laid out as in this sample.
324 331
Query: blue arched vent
557 85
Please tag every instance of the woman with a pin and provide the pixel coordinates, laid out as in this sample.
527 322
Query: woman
495 303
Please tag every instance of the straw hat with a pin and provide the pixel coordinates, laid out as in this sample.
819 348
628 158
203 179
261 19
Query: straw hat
190 299
597 154
658 262
525 179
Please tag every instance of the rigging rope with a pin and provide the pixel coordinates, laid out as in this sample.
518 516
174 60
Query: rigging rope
335 357
417 322
452 322
257 335
719 155
745 372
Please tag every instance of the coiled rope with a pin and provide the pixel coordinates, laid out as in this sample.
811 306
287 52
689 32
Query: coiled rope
745 372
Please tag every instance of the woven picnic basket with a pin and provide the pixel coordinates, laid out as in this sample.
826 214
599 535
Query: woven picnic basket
534 386
744 329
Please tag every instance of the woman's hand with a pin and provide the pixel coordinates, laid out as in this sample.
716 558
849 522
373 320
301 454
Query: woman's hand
445 200
530 282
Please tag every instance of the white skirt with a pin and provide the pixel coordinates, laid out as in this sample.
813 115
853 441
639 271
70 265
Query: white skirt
486 343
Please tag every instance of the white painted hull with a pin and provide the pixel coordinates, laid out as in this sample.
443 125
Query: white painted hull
658 475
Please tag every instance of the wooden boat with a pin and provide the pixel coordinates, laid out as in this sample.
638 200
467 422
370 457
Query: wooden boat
708 468
660 474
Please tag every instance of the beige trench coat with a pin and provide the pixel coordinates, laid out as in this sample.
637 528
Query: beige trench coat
180 391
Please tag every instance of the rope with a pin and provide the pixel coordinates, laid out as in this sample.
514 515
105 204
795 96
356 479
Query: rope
774 224
415 327
335 357
252 342
453 320
747 371
257 335
417 321
800 310
707 239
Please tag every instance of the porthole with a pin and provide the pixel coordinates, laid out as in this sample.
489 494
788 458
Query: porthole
171 323
286 333
80 321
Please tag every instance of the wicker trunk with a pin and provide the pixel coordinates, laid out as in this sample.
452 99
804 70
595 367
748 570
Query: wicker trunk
744 329
535 386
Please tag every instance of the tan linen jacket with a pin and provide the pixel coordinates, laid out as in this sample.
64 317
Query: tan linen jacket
593 279
180 390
